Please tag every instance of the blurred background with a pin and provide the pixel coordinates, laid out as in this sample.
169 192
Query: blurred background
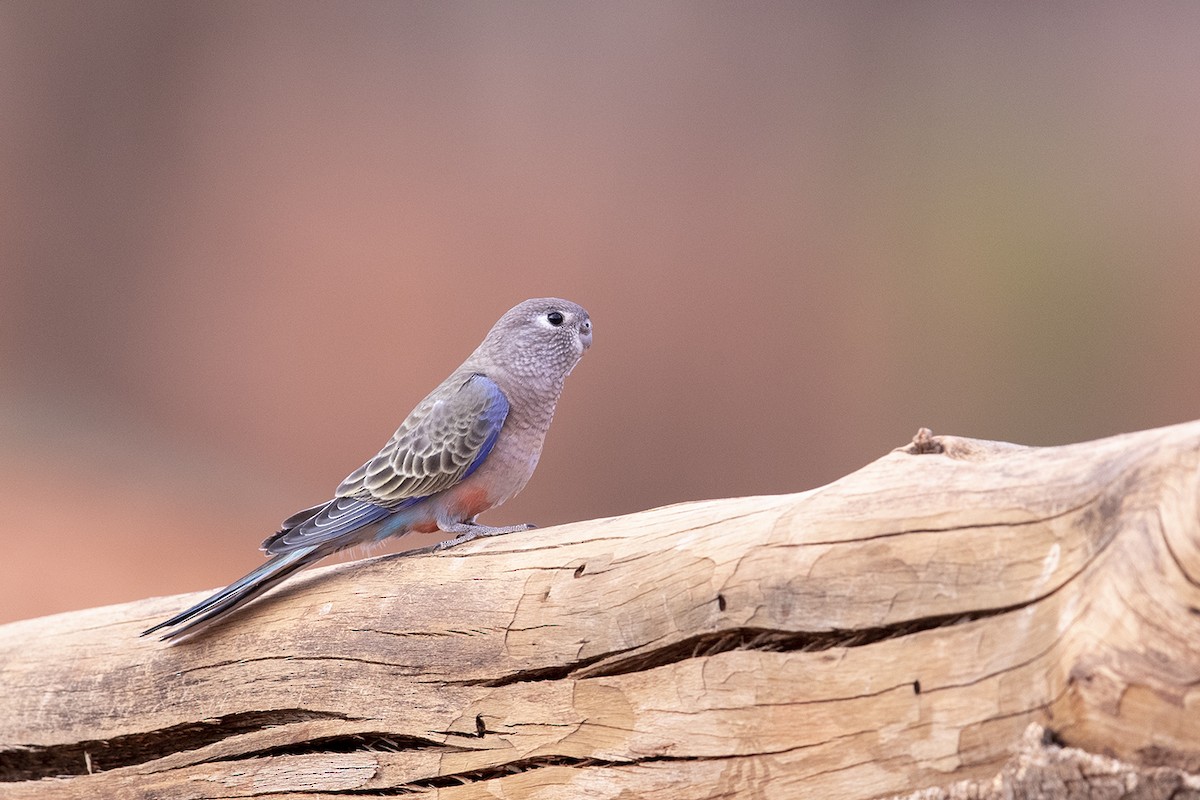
239 241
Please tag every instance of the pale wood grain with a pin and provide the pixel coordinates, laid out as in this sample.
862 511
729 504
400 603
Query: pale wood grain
898 629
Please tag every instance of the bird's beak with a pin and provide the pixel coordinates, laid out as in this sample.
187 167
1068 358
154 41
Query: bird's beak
585 333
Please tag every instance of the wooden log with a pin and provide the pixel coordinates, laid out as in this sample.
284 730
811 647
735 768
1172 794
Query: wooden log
898 629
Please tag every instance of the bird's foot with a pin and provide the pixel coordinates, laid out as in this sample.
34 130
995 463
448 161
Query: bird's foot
468 532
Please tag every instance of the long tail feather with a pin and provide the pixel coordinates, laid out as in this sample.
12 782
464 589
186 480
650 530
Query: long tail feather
238 592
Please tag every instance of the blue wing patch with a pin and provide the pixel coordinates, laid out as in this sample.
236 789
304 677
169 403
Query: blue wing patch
494 416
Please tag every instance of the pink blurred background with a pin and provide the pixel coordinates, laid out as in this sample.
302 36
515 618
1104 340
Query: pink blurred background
239 241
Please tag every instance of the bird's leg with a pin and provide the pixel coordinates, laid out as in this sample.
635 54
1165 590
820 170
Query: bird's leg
468 530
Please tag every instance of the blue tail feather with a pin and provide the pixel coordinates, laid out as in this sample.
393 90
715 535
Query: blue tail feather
238 592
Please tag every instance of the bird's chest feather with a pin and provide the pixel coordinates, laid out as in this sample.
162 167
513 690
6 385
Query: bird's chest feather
510 465
516 452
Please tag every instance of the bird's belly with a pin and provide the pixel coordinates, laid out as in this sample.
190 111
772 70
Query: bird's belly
499 478
467 501
456 504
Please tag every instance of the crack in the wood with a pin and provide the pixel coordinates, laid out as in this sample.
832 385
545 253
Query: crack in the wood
710 644
1043 706
715 523
534 627
558 546
289 658
451 551
1162 531
765 639
542 762
480 730
553 673
441 633
33 762
1054 643
951 529
475 776
372 741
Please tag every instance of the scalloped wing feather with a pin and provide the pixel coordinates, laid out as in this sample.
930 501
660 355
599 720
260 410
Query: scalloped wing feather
443 441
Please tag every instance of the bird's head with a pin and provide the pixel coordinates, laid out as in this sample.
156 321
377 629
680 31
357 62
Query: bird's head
545 336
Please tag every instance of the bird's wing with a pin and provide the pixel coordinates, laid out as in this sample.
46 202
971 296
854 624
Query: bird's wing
322 524
302 516
443 440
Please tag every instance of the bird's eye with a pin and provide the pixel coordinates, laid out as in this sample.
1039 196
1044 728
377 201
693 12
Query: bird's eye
555 318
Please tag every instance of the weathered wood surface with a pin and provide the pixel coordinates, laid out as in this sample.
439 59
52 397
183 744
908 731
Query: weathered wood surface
898 629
